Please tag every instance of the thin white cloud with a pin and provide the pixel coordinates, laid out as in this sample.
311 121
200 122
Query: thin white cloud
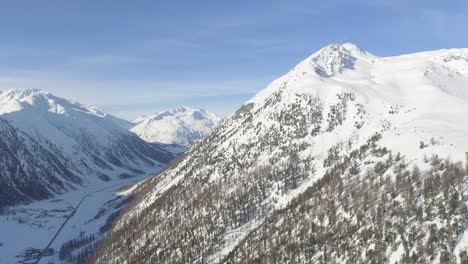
129 95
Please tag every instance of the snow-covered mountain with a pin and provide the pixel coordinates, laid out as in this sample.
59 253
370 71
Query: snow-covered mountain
181 126
341 160
51 145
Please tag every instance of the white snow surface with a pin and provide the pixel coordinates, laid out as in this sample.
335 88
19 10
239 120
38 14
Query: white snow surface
408 99
182 126
428 90
35 224
60 120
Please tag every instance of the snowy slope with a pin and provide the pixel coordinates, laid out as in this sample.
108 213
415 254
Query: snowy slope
337 105
182 126
418 96
55 145
29 171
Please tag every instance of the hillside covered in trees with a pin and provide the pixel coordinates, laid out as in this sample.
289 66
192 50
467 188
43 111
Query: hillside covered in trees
338 161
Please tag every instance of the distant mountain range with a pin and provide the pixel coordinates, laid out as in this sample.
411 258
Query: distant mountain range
181 126
49 145
347 158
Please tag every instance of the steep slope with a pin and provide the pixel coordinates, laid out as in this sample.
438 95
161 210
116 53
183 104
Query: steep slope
33 171
181 126
52 145
341 112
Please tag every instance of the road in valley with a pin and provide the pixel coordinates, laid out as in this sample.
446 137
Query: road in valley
75 209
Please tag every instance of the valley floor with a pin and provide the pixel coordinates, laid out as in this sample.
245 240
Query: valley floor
53 222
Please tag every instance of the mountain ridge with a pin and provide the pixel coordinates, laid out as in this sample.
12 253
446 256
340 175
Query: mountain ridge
181 126
70 139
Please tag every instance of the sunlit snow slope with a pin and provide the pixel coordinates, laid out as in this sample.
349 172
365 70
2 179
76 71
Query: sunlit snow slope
181 126
341 105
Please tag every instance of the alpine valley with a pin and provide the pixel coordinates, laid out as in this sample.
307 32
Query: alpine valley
61 163
347 158
51 145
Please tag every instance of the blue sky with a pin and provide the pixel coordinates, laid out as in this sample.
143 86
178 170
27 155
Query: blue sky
136 57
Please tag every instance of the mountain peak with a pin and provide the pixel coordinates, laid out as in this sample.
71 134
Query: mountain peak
181 109
350 47
19 94
41 101
333 59
181 125
185 109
